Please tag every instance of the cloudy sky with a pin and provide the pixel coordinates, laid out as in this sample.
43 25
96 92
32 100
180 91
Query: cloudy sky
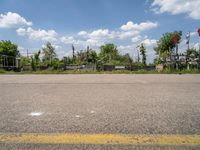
126 23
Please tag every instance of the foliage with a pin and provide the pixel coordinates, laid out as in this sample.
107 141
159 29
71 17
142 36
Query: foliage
92 56
108 54
192 54
24 61
8 48
37 57
56 64
67 60
33 64
125 59
49 54
166 45
143 53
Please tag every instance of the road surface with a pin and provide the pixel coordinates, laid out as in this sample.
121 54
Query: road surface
55 106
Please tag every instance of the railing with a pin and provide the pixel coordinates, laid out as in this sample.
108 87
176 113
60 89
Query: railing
9 62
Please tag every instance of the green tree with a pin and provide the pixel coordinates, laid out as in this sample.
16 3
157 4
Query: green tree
49 54
33 64
92 56
8 48
108 54
166 44
143 53
24 61
125 60
192 54
37 57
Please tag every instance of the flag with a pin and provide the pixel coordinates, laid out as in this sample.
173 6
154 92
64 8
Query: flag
188 38
175 39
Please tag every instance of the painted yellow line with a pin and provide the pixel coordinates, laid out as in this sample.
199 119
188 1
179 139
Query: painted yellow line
101 139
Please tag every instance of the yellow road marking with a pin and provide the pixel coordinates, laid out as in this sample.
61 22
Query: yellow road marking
101 139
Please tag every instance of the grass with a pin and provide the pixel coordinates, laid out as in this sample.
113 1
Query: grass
193 71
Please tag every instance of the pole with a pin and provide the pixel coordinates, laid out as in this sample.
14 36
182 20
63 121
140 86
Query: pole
177 56
27 53
199 56
199 48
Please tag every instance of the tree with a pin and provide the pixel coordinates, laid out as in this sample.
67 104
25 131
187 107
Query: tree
143 53
37 57
8 48
192 54
33 64
49 54
125 60
92 56
166 44
108 54
24 61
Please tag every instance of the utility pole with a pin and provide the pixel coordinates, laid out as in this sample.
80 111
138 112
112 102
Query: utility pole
199 49
175 41
88 48
188 44
188 40
138 54
27 54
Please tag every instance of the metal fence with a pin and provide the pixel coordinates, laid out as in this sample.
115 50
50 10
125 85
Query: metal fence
9 62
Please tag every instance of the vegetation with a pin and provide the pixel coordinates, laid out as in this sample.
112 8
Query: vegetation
192 54
143 53
166 45
8 48
45 60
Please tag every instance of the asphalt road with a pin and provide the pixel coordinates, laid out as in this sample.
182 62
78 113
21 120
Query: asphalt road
99 104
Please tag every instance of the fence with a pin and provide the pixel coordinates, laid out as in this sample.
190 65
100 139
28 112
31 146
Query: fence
80 67
130 68
9 62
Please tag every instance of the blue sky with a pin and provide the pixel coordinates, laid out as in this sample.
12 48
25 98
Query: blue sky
126 23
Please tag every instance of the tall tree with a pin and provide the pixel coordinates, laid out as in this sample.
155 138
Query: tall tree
143 53
166 44
49 54
108 53
37 57
8 48
84 57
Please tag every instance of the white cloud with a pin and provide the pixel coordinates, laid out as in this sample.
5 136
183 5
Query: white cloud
193 34
149 42
13 20
129 30
82 33
136 39
21 31
196 46
100 33
68 40
127 34
49 35
189 7
139 27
